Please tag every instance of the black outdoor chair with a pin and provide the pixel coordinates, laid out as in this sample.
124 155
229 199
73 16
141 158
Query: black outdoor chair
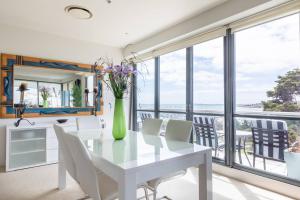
145 116
270 139
205 131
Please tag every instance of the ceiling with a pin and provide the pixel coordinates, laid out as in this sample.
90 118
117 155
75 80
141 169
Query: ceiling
110 22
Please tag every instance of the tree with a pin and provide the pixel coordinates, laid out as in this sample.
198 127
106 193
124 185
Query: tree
284 99
284 93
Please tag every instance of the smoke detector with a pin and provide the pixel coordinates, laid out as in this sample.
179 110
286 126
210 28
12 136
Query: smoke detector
78 12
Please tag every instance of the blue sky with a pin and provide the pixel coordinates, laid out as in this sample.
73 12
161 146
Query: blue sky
262 53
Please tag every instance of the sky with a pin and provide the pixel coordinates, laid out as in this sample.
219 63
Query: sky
263 53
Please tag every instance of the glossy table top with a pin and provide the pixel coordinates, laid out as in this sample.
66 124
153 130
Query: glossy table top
136 149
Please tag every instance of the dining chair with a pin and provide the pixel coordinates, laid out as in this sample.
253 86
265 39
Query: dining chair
206 134
151 126
88 122
144 116
270 139
178 130
66 154
95 183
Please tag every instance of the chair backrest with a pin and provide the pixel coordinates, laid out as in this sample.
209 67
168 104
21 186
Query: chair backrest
269 124
85 170
205 131
88 122
145 116
66 154
270 138
151 126
179 130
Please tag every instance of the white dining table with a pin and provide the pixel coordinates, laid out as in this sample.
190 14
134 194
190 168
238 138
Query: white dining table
139 158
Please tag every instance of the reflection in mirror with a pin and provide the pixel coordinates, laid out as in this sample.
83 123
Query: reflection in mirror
53 88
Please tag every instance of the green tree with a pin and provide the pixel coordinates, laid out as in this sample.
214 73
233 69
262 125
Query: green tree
283 99
283 95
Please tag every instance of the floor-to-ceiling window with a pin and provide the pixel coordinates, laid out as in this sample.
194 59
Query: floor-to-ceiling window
208 94
172 96
145 90
260 71
268 95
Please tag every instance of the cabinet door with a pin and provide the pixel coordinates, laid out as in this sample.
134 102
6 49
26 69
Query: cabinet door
52 143
52 155
51 133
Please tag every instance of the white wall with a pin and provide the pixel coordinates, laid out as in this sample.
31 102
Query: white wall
37 44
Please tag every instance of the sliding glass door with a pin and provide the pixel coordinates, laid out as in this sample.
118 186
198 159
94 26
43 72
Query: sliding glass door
145 91
267 119
208 95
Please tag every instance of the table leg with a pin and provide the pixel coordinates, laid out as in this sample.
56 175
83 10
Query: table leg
61 171
127 187
205 178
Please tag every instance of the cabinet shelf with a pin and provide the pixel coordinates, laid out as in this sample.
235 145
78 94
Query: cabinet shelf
28 152
30 146
28 139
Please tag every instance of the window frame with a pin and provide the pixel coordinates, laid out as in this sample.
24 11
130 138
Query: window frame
229 106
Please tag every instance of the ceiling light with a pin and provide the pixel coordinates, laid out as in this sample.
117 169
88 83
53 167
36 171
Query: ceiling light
79 12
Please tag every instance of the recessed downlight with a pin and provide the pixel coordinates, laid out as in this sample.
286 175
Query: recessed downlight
79 12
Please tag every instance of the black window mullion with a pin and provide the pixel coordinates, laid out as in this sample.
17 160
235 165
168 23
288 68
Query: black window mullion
189 83
229 97
134 102
157 87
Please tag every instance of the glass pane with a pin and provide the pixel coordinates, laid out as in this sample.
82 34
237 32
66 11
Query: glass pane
30 96
257 140
173 81
267 67
208 76
53 96
145 85
209 131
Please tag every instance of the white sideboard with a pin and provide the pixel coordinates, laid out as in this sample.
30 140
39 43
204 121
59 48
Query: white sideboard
30 146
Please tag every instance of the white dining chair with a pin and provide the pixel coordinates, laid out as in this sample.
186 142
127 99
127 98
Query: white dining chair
178 130
66 154
151 126
93 182
88 122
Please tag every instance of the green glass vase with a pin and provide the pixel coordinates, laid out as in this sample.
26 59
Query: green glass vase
119 123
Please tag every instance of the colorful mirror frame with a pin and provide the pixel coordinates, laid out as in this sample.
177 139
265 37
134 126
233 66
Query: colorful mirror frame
8 61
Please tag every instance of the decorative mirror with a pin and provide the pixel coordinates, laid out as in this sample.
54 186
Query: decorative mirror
52 87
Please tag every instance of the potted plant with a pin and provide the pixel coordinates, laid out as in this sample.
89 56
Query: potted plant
118 80
292 159
45 93
77 94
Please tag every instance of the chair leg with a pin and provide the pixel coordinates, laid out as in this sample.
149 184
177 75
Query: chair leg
239 150
146 193
246 152
154 194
